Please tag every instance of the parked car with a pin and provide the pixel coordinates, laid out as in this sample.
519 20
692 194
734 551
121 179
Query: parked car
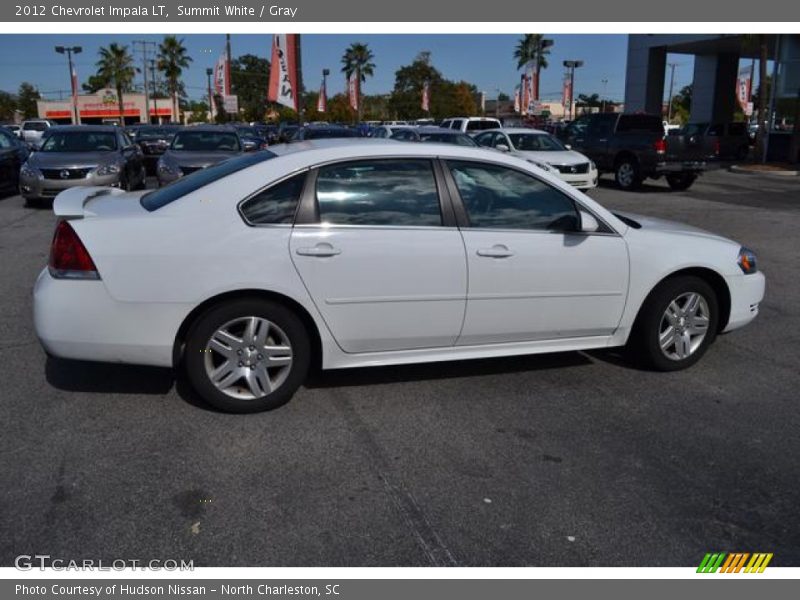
154 141
353 253
545 151
471 124
633 147
196 148
319 132
81 156
434 135
14 129
387 131
718 141
251 137
34 129
13 153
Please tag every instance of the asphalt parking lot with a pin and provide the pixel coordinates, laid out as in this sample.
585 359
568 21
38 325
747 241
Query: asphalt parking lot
570 459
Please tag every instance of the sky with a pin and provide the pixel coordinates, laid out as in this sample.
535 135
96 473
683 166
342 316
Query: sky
485 60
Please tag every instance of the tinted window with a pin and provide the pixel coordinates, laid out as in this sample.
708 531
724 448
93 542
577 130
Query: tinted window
318 134
80 141
405 135
482 125
206 141
35 126
379 192
276 204
485 139
650 123
502 198
6 141
458 139
190 183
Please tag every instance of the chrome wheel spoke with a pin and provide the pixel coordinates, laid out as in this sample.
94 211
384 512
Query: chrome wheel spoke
667 338
698 325
278 356
225 375
683 345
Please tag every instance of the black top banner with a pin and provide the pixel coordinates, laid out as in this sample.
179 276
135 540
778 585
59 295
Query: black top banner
744 11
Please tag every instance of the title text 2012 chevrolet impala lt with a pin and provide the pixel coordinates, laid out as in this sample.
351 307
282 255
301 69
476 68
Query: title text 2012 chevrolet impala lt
355 253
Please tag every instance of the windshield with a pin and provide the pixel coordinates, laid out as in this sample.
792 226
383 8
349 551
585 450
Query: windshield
190 183
448 138
80 141
536 142
317 134
156 133
206 141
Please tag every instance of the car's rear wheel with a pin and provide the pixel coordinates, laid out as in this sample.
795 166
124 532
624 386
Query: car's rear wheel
248 355
681 181
627 174
676 324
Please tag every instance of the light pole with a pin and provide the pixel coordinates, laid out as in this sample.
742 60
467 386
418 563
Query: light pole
209 72
69 51
571 65
603 99
671 82
324 90
155 89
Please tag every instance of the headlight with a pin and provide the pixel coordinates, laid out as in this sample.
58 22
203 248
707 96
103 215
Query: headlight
541 165
747 261
168 168
28 171
109 169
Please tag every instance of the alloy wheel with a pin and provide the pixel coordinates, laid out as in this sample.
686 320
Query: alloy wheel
684 326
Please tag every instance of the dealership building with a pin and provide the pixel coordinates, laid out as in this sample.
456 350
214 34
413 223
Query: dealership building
103 107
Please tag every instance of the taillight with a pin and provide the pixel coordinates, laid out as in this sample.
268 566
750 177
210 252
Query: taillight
716 147
69 258
660 146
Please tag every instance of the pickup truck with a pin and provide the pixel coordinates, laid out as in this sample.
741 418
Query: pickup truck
634 147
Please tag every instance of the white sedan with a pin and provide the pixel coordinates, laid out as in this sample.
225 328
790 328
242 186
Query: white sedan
352 253
545 151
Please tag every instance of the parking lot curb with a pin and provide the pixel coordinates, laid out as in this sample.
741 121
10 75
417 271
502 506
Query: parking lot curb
742 170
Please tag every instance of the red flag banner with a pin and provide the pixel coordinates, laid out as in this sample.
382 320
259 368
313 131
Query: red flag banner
744 86
220 76
322 100
566 93
516 100
525 93
283 72
352 90
426 97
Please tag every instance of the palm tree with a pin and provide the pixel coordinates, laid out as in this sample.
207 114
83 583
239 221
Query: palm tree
172 60
358 59
116 66
529 49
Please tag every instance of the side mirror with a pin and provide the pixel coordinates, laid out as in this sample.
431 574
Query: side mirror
588 223
568 146
502 147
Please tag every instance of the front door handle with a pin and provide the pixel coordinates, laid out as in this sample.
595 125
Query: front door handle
496 251
320 250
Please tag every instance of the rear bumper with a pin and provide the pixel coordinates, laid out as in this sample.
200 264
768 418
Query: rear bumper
80 320
747 292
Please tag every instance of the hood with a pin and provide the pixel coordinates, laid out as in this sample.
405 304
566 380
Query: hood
565 157
198 159
655 224
70 160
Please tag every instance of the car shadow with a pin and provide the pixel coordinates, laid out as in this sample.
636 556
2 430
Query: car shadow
108 378
363 376
647 187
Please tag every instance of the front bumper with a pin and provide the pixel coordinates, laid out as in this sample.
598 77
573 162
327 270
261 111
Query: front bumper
747 292
78 319
41 187
581 181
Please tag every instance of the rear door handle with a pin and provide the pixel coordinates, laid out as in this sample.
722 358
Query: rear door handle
320 250
496 251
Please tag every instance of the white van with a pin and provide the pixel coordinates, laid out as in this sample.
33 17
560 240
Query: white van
471 124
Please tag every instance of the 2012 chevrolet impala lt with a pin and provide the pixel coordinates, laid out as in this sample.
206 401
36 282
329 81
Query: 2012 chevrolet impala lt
355 253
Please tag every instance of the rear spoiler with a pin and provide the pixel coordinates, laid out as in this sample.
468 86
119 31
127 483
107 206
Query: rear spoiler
70 203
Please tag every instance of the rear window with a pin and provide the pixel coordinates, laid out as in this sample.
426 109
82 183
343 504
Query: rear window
35 126
648 123
206 141
190 183
482 125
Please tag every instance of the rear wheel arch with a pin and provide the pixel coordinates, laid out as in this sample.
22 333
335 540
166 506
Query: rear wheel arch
194 316
712 278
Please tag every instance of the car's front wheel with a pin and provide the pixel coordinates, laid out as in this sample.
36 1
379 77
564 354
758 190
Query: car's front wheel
681 181
676 324
627 174
248 355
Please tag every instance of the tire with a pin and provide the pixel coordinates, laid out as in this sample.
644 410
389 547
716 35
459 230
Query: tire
33 203
240 390
627 174
644 346
681 181
125 183
742 153
142 179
